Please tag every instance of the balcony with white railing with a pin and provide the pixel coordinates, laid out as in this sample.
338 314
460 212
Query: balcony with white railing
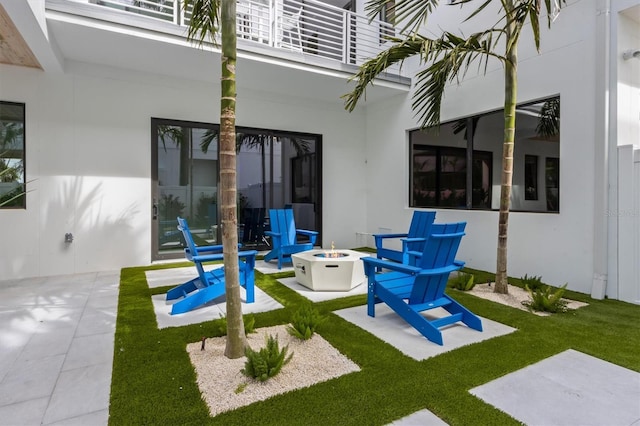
305 27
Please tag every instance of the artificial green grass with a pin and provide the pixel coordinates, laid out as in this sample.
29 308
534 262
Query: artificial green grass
153 380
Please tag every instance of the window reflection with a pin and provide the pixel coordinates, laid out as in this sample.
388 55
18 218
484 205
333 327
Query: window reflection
440 176
12 171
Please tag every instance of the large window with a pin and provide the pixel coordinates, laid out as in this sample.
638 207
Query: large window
439 172
12 172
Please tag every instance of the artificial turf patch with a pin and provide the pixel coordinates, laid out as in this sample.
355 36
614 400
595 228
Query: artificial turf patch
153 380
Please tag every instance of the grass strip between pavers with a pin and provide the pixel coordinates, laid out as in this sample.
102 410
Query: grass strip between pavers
154 383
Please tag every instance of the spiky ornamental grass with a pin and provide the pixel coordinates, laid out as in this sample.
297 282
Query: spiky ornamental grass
266 362
305 322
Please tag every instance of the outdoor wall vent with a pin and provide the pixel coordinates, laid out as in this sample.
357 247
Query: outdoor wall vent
633 53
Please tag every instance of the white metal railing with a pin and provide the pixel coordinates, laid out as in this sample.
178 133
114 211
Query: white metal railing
305 26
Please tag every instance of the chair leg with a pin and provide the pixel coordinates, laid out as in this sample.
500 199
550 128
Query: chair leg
371 299
198 298
470 319
417 321
271 255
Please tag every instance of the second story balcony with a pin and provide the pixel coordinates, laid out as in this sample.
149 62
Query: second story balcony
302 27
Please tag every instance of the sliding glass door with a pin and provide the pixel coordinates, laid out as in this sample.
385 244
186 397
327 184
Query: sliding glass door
275 169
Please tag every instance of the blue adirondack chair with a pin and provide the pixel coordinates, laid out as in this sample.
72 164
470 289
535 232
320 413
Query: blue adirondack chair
412 241
209 285
284 236
409 290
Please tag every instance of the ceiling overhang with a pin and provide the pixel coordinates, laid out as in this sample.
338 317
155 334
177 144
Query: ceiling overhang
88 33
14 50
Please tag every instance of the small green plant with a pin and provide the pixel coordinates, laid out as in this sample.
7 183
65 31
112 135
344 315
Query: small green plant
534 282
248 320
543 300
241 387
267 362
463 281
304 322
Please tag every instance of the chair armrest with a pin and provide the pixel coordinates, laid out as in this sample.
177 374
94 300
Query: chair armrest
439 271
380 237
203 250
247 253
413 240
311 234
373 263
390 235
272 234
205 258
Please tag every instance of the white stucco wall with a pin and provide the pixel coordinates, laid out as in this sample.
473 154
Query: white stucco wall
557 246
88 143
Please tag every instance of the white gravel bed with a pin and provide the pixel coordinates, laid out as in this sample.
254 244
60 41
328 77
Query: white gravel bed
219 378
515 297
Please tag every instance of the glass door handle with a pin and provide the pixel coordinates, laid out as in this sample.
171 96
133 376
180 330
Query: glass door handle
155 209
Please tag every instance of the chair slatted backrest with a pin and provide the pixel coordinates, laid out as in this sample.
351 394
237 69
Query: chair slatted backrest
420 227
439 251
190 250
281 221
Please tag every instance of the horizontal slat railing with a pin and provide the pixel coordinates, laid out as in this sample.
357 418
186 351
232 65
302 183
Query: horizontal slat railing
303 26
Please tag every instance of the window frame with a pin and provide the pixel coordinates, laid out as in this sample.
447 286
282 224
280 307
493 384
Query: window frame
19 201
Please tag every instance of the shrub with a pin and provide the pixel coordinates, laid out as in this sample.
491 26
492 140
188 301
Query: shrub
534 282
248 320
304 322
267 362
463 281
543 300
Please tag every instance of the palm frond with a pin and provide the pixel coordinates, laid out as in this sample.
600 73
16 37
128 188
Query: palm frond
531 9
261 140
205 20
410 13
475 12
451 58
172 133
367 73
549 121
210 135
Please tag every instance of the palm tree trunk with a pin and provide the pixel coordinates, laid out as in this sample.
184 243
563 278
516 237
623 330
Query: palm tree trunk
510 98
236 339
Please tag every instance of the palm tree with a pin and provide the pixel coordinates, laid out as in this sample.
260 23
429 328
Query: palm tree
447 59
208 17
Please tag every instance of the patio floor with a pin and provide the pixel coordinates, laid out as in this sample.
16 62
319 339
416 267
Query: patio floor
56 353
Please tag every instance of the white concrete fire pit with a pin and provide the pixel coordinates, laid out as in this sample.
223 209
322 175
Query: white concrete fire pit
329 270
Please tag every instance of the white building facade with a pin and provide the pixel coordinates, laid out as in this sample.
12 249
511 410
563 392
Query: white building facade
102 75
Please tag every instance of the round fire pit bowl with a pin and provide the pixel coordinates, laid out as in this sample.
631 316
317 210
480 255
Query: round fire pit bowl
331 254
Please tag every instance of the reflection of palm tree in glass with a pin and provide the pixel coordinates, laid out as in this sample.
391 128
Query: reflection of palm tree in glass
11 167
548 121
259 141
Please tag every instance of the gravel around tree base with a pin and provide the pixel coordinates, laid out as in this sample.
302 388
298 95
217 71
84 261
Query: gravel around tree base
221 382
